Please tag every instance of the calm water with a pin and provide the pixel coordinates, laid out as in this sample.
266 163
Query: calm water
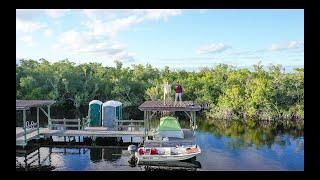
224 147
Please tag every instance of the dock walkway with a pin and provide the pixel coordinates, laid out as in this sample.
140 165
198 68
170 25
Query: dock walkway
94 132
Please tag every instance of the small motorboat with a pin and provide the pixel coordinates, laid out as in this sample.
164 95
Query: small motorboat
162 154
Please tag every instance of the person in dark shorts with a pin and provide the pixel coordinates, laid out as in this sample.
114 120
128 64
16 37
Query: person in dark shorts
178 93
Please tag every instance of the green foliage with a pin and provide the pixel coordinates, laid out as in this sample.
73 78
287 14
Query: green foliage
231 93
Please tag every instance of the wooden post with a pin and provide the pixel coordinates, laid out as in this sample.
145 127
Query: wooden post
78 123
190 119
49 117
25 160
148 112
50 152
192 115
39 162
145 122
38 124
64 124
24 126
195 118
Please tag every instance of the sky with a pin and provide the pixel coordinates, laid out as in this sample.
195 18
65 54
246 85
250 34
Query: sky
181 39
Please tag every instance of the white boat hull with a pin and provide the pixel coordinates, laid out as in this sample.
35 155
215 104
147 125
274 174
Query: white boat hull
162 158
165 157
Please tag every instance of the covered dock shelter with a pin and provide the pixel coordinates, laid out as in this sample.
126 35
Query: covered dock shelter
151 107
30 128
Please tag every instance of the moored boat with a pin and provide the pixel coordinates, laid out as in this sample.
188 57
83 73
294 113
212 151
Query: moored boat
161 154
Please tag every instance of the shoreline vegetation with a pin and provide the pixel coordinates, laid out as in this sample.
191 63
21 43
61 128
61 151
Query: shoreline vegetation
270 95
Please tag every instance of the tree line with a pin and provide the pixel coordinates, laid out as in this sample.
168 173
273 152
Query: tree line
264 93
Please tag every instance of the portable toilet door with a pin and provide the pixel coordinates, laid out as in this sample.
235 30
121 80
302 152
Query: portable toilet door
111 110
95 113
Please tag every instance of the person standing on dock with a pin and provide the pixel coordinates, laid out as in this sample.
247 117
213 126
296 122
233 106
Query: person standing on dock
166 91
178 93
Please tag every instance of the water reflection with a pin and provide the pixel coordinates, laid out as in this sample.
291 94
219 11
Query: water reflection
245 134
106 154
189 165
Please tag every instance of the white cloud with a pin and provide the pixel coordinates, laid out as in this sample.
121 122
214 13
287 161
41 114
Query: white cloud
125 57
28 26
28 40
119 20
290 45
48 32
84 43
27 14
157 14
203 11
25 21
56 13
111 28
213 48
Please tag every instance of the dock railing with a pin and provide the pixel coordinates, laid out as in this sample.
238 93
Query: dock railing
129 125
65 123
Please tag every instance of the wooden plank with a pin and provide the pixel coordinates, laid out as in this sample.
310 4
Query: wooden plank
96 128
26 104
171 109
62 120
158 106
92 133
138 121
62 125
21 132
32 155
23 139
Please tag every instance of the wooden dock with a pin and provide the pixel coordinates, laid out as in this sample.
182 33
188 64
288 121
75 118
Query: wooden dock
122 128
93 132
169 106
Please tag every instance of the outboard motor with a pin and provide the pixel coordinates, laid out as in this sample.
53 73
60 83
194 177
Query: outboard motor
132 160
132 149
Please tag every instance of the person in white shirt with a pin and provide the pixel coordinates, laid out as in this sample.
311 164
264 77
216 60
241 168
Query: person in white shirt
166 91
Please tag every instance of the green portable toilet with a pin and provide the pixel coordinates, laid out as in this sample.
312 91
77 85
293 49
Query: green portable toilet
95 113
111 110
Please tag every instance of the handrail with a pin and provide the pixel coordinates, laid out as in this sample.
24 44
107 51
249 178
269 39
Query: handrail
137 121
64 123
132 123
63 120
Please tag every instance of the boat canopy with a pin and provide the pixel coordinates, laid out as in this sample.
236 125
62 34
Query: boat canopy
170 127
169 123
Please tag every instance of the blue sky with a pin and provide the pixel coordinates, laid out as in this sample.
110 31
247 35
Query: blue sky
181 39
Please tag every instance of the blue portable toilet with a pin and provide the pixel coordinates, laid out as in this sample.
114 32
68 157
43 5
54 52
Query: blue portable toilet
111 110
95 113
